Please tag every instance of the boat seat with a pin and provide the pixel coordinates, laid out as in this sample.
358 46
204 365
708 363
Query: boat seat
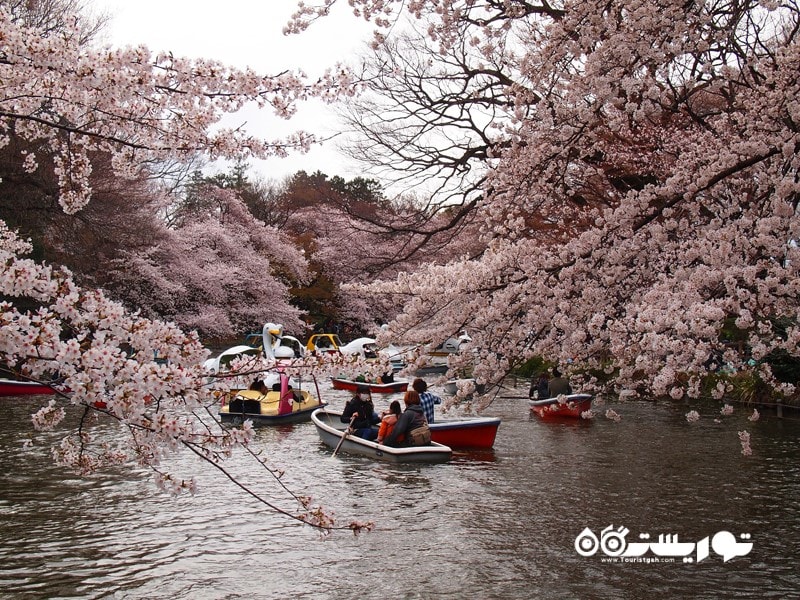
242 405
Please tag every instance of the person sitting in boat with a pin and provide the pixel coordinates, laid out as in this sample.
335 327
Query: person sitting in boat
362 411
259 386
386 377
296 396
426 399
540 388
412 418
558 385
388 421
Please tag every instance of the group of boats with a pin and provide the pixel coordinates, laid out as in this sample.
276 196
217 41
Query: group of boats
278 398
446 434
281 402
468 433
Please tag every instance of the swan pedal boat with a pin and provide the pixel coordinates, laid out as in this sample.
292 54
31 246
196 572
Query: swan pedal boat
571 406
395 387
331 431
262 409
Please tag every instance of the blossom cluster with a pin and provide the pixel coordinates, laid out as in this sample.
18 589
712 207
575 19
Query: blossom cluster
77 101
632 209
744 438
145 374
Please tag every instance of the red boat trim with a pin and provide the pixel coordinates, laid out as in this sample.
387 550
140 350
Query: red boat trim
477 433
10 387
376 388
572 406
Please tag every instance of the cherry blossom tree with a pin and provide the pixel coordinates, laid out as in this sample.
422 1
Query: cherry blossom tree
63 105
218 270
54 16
350 232
140 107
659 140
217 273
105 358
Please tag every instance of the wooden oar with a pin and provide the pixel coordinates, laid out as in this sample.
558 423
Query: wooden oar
347 431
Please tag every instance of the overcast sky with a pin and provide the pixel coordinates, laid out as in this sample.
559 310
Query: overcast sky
249 33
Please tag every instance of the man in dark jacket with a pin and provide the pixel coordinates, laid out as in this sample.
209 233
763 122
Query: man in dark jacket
559 385
412 418
362 411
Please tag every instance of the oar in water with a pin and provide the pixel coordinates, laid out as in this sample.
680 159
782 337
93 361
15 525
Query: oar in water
347 431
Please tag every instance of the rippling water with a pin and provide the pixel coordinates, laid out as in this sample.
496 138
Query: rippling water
490 525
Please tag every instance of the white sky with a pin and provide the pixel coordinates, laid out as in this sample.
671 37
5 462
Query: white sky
249 33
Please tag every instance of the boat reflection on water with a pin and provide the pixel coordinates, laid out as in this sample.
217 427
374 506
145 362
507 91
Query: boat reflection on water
474 456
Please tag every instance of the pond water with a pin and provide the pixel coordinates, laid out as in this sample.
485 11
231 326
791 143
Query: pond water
492 525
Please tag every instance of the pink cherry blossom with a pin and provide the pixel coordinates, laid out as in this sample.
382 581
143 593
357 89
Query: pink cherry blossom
744 439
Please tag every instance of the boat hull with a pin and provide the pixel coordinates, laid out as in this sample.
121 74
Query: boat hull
300 416
331 430
263 409
395 387
474 433
451 386
10 387
431 370
571 407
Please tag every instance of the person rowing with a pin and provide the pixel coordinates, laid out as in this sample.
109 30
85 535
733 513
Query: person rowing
361 407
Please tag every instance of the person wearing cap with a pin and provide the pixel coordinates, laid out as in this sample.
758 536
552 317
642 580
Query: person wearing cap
361 411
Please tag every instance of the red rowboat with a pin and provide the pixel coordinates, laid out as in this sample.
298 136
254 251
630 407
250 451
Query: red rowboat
471 432
572 406
11 387
394 387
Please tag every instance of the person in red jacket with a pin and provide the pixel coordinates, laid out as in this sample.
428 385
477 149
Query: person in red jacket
388 421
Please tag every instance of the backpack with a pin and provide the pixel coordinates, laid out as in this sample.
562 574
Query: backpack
421 436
